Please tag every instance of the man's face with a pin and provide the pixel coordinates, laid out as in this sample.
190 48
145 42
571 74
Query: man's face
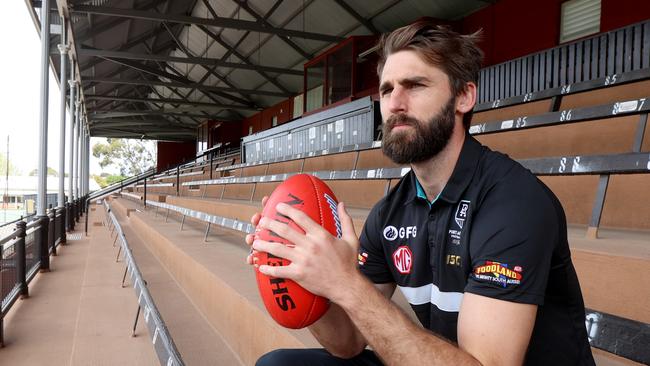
417 107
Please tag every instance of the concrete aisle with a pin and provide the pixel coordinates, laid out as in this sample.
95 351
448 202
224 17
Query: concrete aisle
78 314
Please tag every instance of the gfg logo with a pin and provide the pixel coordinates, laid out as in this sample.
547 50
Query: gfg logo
391 232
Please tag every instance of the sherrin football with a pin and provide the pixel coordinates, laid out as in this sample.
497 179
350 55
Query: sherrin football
287 302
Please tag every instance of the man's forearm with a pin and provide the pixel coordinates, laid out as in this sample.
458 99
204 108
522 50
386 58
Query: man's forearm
336 332
392 335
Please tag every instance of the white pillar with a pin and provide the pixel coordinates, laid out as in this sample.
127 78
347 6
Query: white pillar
73 88
42 133
75 142
63 49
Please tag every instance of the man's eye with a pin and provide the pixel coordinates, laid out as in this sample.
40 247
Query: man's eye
385 92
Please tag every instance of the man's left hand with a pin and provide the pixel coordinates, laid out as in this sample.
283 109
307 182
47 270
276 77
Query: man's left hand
320 262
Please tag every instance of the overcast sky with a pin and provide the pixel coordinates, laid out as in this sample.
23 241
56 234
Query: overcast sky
20 93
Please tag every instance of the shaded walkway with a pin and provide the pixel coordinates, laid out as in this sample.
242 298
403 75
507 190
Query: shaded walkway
78 314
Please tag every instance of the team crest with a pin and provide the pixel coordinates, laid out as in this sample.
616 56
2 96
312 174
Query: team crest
461 213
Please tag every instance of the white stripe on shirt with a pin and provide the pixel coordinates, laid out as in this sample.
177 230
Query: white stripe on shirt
445 301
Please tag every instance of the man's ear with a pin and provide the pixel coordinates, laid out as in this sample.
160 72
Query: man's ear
466 100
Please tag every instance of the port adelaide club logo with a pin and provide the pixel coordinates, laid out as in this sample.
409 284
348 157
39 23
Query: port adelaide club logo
461 213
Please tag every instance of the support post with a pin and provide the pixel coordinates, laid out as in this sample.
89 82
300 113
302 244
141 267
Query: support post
72 109
41 238
144 201
62 226
207 232
21 260
41 214
211 168
63 50
592 230
178 180
86 203
75 142
51 238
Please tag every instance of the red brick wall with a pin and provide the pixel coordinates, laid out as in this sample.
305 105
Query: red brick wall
173 153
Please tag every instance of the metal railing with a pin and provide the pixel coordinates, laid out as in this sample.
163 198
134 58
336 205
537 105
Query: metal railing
122 184
24 252
164 346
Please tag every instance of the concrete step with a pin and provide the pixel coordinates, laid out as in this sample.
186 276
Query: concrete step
197 341
601 271
215 278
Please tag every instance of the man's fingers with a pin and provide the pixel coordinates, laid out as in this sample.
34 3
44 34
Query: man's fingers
278 271
276 249
281 229
249 239
299 217
347 225
255 219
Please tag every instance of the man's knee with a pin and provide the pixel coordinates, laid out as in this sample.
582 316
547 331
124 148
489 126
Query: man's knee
279 357
298 357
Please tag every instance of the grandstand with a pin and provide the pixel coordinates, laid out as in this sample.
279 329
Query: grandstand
281 88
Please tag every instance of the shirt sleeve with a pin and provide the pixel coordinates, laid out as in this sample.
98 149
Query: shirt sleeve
371 257
513 235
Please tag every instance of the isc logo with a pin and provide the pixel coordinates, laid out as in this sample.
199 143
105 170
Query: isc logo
403 259
391 232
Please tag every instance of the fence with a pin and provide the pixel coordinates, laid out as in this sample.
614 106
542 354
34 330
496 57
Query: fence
27 249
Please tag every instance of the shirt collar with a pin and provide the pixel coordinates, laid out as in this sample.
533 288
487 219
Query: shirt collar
460 177
420 192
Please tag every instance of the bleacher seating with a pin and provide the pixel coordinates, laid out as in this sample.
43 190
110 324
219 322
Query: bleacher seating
588 142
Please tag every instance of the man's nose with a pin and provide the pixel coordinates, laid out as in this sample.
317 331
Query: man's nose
397 101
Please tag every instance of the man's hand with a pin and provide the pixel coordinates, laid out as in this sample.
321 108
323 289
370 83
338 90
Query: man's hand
251 237
320 262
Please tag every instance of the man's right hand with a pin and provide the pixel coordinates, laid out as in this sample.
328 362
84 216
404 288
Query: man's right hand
255 220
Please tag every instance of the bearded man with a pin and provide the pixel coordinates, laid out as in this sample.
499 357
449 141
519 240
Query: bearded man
474 241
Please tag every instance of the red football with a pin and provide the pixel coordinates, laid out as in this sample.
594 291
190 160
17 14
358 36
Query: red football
289 304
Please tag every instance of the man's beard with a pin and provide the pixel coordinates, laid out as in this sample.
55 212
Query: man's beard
427 139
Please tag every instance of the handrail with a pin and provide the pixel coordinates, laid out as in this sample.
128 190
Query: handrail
121 184
19 219
168 354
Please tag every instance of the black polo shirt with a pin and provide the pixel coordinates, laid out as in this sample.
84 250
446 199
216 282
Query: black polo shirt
495 230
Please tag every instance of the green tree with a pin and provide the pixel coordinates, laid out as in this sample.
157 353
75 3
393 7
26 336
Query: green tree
50 172
100 181
130 156
13 170
106 180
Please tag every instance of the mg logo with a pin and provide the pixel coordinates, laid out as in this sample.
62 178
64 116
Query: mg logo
403 259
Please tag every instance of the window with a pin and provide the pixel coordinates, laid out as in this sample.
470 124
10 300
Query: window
250 130
315 85
274 121
580 18
297 106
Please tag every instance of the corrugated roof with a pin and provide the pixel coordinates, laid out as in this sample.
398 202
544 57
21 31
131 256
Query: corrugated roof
232 53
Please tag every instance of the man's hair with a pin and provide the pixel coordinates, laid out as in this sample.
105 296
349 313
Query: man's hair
456 54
